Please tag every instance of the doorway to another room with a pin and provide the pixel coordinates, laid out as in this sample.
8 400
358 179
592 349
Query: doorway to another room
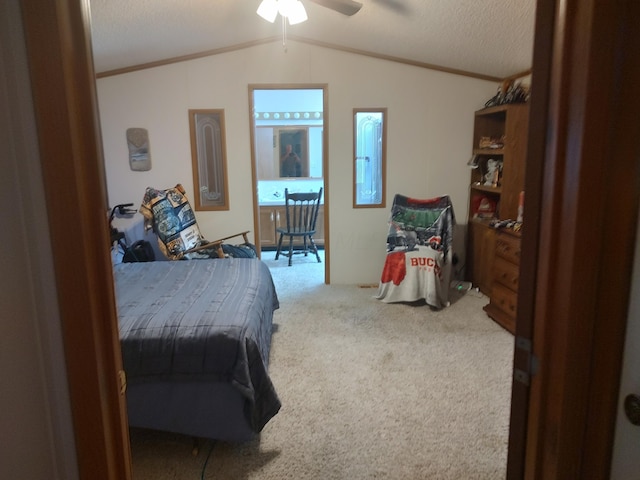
289 120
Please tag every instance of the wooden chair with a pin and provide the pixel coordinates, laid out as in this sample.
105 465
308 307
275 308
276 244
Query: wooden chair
302 214
169 214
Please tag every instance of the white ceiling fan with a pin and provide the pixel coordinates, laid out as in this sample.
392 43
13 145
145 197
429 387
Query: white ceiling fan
345 7
294 11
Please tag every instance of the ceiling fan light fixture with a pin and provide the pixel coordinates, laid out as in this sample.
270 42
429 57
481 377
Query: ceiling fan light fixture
268 10
293 10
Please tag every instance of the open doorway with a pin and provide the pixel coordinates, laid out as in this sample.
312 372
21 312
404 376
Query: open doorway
94 406
289 118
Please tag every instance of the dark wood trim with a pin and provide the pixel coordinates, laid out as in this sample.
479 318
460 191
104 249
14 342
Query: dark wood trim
391 58
327 186
522 74
621 199
241 46
536 147
63 87
588 212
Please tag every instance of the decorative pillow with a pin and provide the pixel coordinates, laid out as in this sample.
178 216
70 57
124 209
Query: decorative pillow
171 217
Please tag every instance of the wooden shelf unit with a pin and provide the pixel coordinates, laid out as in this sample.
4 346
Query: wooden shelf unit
484 261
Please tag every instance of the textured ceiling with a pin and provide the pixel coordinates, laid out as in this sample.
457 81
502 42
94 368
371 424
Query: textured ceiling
485 37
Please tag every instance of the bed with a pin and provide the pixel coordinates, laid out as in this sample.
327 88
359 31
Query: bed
195 338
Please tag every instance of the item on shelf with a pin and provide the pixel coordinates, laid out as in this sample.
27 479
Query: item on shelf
473 161
514 225
491 142
491 177
509 92
520 206
483 207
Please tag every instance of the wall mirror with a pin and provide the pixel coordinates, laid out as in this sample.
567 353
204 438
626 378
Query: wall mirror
288 116
282 152
369 157
208 156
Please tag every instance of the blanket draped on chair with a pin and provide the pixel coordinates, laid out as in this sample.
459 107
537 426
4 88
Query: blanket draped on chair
419 257
169 213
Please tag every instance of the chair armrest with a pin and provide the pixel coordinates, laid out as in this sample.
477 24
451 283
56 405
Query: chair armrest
244 235
217 244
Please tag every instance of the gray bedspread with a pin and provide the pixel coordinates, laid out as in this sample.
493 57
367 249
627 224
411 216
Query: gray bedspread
202 320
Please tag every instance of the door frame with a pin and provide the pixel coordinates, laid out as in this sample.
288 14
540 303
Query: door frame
325 161
572 410
63 87
575 289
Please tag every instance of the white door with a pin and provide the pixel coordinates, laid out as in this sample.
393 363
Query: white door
626 448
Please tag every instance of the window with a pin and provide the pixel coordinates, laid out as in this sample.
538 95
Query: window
369 153
208 154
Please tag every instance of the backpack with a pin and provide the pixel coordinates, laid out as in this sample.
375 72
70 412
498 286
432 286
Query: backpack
140 251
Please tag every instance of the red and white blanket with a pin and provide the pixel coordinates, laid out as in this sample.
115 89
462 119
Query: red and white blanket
419 257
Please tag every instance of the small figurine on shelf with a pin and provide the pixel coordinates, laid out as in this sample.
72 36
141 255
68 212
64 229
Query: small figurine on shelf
493 172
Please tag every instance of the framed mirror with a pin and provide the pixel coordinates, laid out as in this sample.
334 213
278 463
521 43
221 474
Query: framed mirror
288 116
282 152
209 159
293 146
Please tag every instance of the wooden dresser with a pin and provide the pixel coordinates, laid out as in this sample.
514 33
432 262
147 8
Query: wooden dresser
503 303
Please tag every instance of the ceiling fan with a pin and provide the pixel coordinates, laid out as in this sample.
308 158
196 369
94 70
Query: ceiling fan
294 11
345 7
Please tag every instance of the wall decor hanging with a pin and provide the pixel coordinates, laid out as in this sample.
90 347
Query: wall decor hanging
139 154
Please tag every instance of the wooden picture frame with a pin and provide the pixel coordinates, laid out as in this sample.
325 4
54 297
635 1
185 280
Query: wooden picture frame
209 159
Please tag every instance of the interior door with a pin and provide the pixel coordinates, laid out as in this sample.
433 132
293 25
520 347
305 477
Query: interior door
626 447
580 206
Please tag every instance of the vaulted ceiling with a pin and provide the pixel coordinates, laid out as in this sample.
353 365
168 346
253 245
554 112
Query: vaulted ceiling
492 38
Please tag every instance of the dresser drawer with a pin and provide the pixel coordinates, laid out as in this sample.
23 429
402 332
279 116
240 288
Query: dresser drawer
508 247
506 273
505 299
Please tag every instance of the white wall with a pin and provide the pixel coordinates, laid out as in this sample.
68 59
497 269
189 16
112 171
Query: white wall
430 127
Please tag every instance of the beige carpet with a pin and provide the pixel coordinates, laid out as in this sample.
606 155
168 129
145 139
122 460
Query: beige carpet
369 391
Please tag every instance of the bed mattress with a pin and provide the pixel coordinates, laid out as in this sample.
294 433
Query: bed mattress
200 321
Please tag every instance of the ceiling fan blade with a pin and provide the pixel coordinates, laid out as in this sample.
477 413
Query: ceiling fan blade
397 6
346 7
